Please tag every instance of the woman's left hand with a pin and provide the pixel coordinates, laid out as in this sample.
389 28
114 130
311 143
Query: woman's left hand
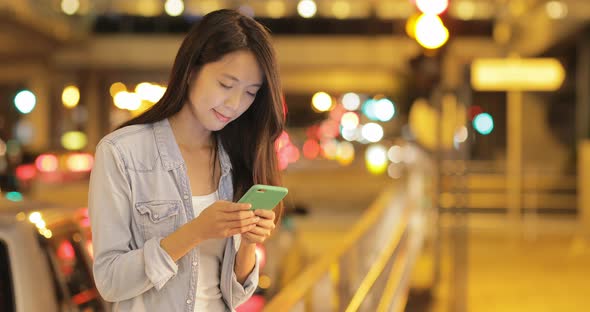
263 228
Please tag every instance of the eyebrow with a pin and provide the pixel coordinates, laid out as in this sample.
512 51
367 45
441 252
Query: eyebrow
238 80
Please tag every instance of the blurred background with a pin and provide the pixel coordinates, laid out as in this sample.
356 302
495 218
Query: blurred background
437 152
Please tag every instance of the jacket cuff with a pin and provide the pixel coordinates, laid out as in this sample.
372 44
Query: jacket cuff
240 292
159 266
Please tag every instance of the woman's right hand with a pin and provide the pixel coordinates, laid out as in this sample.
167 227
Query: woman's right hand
224 219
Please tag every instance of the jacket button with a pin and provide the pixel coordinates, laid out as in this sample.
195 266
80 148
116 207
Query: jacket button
194 263
155 215
188 301
185 196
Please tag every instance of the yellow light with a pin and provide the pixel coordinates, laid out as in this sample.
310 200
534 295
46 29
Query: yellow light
174 7
127 100
556 9
306 8
341 9
21 216
80 162
431 33
275 8
70 7
465 9
264 281
35 217
376 159
345 153
70 96
321 101
349 120
74 140
411 25
149 92
531 74
116 88
329 149
40 224
432 7
47 234
149 7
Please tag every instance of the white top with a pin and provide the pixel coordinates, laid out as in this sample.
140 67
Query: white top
208 297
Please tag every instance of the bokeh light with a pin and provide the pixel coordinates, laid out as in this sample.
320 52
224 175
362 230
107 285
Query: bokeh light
321 101
483 123
432 7
372 132
395 154
384 109
74 140
376 159
70 96
341 9
174 7
306 8
116 88
461 134
311 149
25 101
349 120
46 163
431 33
70 7
275 8
345 153
80 162
351 101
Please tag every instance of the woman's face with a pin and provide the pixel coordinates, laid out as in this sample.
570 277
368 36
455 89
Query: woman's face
223 90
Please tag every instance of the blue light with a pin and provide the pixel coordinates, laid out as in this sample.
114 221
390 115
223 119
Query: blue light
369 109
483 123
14 196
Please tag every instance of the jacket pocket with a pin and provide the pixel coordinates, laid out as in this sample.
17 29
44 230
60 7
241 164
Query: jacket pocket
158 218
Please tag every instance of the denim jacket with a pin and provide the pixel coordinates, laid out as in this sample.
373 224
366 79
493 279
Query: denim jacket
140 193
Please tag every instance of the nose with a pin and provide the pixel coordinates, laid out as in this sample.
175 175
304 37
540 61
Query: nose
233 102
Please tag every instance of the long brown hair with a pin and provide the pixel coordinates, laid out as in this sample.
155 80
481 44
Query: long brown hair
248 140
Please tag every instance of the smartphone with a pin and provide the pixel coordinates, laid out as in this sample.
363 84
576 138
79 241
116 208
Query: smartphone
262 196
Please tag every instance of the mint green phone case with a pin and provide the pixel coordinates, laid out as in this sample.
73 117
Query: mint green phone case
264 196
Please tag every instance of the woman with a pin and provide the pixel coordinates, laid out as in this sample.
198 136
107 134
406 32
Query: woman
168 235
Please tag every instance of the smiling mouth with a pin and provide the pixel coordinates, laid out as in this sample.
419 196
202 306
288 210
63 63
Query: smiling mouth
220 116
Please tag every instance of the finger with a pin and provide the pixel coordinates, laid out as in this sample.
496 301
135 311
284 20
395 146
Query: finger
243 222
230 207
266 224
238 215
260 231
253 237
239 230
266 214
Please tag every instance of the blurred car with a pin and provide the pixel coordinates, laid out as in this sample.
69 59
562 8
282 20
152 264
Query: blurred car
45 259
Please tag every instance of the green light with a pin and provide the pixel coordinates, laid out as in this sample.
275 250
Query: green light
14 196
483 123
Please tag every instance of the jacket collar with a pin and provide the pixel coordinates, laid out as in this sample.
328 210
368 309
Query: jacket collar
170 152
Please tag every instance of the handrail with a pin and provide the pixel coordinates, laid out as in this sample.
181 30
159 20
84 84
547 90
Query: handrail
297 289
380 264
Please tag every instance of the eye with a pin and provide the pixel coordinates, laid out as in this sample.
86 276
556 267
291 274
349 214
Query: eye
252 94
224 86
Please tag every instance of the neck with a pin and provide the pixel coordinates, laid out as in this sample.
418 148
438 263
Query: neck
188 131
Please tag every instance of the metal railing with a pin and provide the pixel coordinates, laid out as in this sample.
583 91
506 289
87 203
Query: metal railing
370 269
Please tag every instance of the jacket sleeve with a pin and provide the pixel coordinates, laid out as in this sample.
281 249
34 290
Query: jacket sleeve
242 292
120 272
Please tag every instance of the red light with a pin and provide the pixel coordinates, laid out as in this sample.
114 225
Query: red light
330 128
313 132
26 172
65 251
474 111
46 163
311 149
254 304
292 153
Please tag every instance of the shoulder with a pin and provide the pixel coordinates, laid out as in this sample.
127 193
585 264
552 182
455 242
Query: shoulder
135 145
